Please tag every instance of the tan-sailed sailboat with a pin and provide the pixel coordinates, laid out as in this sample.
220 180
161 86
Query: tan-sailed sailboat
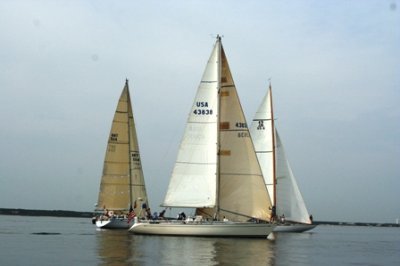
216 170
290 209
122 189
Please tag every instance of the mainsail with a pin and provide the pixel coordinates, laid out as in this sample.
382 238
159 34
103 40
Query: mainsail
122 184
278 176
217 170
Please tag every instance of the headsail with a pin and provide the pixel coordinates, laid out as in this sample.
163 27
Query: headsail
122 182
290 200
193 181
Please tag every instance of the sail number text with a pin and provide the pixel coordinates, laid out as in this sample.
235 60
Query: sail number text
241 125
135 157
202 109
243 134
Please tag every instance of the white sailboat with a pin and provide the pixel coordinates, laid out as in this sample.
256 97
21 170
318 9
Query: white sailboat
216 171
279 179
122 190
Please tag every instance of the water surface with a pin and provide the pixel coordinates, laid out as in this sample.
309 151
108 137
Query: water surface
27 240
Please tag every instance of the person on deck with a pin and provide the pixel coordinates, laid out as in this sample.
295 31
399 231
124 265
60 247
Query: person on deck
273 214
161 215
283 218
181 216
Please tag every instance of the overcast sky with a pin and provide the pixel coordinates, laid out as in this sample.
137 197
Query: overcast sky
335 73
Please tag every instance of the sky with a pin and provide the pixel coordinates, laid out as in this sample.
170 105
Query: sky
334 68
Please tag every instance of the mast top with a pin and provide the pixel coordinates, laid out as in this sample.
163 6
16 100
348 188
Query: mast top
219 37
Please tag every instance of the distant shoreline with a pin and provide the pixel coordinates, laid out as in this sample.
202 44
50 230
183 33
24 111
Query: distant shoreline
54 213
76 214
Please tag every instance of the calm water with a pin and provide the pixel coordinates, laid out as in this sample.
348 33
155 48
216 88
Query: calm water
28 240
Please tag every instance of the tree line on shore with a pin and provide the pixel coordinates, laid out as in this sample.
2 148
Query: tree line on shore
62 213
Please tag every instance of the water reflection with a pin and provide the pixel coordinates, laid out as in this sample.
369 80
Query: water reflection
245 252
293 248
119 247
113 246
157 250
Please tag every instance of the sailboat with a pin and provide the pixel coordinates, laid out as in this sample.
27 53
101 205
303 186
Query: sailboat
216 170
122 193
290 208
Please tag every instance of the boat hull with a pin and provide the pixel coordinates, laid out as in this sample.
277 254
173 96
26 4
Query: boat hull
215 229
115 223
294 228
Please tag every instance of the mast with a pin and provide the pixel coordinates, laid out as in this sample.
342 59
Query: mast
273 146
218 127
129 143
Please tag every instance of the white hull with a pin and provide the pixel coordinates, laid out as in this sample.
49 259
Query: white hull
294 228
215 229
114 223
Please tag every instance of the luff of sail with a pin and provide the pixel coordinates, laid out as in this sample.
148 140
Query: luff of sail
217 169
289 201
122 182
